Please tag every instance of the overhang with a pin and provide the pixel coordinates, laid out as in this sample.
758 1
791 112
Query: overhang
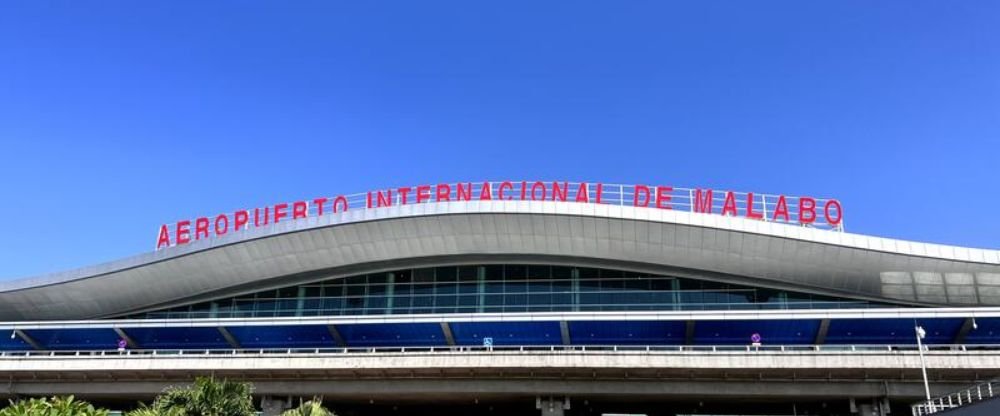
641 239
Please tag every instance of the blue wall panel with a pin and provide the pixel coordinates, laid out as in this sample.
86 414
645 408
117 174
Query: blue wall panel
627 332
178 338
891 331
507 333
298 336
12 344
75 339
392 335
987 332
738 332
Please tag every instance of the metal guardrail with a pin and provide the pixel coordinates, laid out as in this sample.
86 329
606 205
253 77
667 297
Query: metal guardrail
974 394
556 349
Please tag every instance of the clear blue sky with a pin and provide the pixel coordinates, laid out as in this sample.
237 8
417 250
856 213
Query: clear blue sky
116 117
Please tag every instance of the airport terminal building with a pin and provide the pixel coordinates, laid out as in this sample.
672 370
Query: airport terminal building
519 297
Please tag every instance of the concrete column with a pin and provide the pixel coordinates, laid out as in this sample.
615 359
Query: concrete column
550 406
272 406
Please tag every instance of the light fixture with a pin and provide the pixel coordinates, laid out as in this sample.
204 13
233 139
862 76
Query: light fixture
974 324
13 334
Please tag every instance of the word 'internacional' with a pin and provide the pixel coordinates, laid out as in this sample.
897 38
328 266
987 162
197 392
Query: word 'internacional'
803 210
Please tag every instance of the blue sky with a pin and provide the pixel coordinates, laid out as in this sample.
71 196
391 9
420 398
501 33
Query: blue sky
116 117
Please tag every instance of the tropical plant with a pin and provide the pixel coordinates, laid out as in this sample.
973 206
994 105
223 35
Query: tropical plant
206 397
56 406
313 407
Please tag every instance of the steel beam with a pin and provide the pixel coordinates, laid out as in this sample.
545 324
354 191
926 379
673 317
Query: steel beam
824 327
564 332
339 340
229 337
689 333
964 331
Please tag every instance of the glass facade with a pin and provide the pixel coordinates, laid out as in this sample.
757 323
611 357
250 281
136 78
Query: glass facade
500 288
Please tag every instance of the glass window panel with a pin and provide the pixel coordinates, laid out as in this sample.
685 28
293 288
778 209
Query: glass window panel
468 273
355 280
588 273
355 291
445 301
538 272
515 272
425 275
354 305
562 272
468 288
378 279
494 272
446 274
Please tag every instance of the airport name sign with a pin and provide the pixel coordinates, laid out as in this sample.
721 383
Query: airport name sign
801 210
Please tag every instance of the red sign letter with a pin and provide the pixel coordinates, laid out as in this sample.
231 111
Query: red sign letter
535 187
485 194
183 233
279 212
581 194
644 190
826 212
463 193
240 219
299 209
729 206
703 204
200 228
807 210
222 220
559 194
781 209
750 213
504 185
443 192
320 201
384 200
403 192
663 197
164 238
341 201
423 193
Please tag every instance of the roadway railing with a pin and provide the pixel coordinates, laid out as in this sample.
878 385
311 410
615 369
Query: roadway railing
555 349
977 393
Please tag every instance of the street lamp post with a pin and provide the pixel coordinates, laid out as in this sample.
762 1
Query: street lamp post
923 365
